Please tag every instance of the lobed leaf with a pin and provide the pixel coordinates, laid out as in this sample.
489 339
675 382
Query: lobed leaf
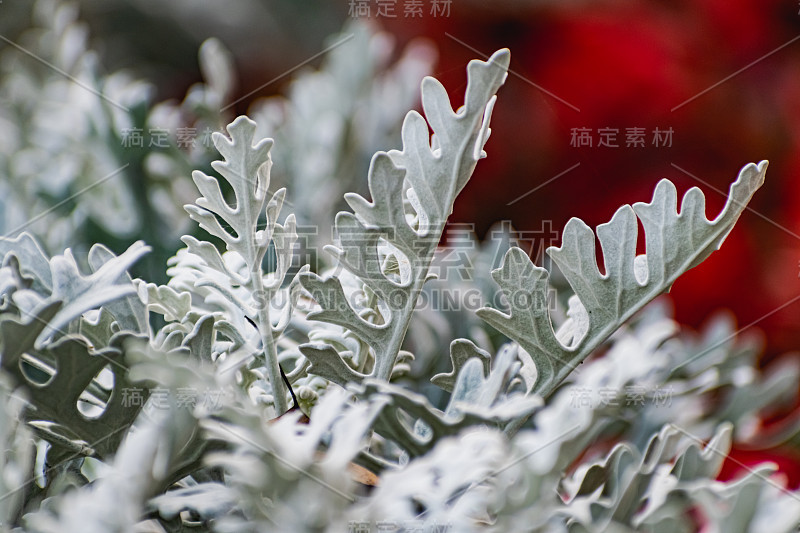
675 242
381 233
246 167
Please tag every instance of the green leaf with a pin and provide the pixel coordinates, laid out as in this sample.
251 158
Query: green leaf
82 293
276 469
18 453
207 500
246 168
242 169
388 248
129 311
34 263
409 420
164 300
675 243
461 351
57 376
633 488
142 467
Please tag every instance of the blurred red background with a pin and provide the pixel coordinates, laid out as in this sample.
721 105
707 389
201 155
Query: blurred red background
627 65
723 75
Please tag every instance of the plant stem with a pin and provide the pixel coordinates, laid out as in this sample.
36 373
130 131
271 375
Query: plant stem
268 343
384 371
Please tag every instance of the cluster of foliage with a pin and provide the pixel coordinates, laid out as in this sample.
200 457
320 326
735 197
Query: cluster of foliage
255 392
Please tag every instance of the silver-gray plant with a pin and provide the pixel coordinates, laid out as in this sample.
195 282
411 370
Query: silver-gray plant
114 421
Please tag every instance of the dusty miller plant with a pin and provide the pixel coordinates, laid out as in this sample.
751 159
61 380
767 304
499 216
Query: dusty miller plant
268 398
